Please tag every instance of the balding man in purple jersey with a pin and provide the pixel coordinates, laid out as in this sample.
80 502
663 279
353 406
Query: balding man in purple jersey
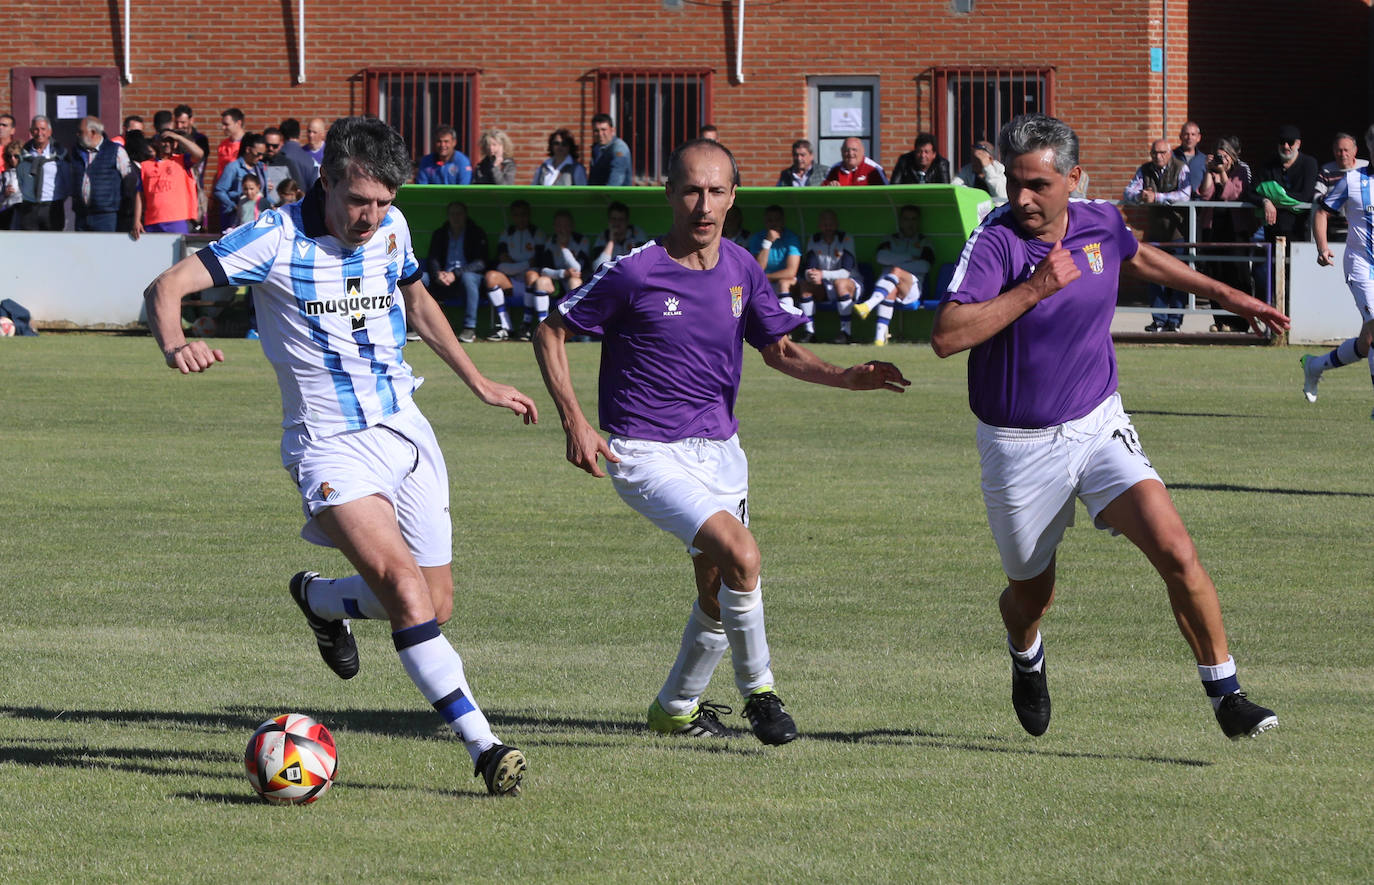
674 315
1032 299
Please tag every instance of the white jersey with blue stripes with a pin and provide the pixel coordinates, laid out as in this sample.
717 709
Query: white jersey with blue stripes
331 317
1351 195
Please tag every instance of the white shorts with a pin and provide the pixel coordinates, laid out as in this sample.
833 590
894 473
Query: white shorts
679 485
1357 277
1031 477
398 459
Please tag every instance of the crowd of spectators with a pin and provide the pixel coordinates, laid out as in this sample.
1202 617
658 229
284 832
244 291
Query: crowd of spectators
152 177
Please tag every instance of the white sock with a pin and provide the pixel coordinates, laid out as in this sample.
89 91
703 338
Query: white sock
741 614
1219 680
1031 660
846 309
808 309
541 306
341 598
703 645
873 300
498 301
787 301
437 670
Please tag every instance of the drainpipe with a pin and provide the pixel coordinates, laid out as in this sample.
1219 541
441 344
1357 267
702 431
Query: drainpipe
300 44
128 75
1164 67
739 44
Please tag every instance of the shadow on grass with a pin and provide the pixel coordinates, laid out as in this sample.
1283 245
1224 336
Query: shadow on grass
422 724
1168 414
1230 487
985 744
161 761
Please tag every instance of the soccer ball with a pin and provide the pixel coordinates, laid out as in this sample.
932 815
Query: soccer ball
6 327
291 760
203 326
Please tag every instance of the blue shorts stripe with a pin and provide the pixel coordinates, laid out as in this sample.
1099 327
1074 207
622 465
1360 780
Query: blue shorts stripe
454 705
404 639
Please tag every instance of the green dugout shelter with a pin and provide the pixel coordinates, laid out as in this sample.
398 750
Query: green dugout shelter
869 214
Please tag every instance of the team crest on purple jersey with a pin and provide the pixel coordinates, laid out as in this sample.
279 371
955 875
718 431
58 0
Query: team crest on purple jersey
736 300
1094 253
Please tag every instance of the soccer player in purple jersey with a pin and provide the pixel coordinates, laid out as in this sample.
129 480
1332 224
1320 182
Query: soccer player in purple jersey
674 315
1032 300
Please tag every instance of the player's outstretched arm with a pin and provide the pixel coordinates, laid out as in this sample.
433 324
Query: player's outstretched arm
1157 266
959 325
584 443
791 358
163 301
432 326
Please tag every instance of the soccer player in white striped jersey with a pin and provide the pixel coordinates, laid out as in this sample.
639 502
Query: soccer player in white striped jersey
334 283
907 257
1352 196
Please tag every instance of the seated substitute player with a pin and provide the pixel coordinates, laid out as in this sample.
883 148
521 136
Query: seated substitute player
778 252
559 263
335 282
619 238
520 242
1032 300
1350 194
674 316
831 273
907 257
734 227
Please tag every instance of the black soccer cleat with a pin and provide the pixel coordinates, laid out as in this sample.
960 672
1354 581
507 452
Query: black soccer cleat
1239 717
703 720
769 720
1030 697
503 768
335 640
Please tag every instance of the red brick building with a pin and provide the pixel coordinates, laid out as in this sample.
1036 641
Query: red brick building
1121 74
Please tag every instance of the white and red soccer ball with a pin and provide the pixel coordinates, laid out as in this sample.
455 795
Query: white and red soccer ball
6 327
291 760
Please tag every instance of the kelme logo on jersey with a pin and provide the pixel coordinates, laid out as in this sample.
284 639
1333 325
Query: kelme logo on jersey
1094 253
672 311
356 306
736 300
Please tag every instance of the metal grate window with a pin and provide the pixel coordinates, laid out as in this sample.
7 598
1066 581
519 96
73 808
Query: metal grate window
416 103
654 112
973 104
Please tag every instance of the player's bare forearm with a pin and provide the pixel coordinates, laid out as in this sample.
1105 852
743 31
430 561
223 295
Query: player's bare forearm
162 299
429 322
1157 266
551 352
960 326
798 362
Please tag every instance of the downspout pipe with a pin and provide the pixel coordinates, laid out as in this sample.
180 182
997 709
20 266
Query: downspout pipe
739 44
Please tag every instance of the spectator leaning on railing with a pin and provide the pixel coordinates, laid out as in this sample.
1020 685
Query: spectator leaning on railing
1156 184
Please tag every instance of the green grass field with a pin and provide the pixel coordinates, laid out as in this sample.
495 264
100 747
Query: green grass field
145 630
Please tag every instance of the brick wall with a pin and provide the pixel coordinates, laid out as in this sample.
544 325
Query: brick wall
1221 63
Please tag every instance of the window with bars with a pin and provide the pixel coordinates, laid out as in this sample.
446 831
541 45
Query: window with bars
417 102
654 112
973 104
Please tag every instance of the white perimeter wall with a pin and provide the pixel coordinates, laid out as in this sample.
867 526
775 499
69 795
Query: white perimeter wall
87 280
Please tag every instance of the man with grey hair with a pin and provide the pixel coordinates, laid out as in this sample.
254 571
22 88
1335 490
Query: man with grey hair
1161 181
99 167
804 171
43 175
1032 300
1343 158
335 283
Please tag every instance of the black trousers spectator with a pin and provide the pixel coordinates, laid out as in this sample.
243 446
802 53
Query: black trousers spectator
48 215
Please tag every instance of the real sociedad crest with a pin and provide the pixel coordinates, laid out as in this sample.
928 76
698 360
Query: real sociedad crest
736 300
1094 253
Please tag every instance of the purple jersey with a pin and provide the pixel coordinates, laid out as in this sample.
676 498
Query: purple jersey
1055 362
673 338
